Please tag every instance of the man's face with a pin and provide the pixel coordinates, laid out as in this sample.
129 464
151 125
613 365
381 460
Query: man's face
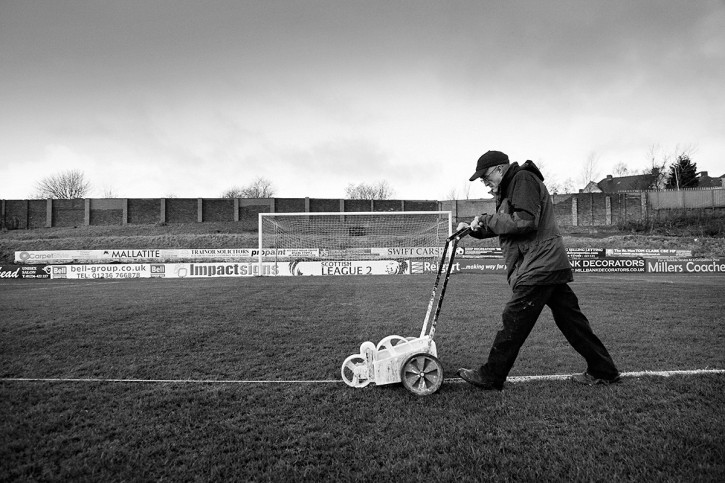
492 177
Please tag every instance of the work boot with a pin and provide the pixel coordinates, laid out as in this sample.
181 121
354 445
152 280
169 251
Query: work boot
589 380
474 377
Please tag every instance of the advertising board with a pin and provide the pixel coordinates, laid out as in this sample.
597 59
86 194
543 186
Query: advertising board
685 266
346 267
608 265
25 272
408 252
585 252
131 256
648 253
160 255
462 265
97 271
479 252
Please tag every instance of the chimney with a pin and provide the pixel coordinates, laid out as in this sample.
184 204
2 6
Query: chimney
609 177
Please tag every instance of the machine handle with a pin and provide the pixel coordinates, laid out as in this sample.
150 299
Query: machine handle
460 234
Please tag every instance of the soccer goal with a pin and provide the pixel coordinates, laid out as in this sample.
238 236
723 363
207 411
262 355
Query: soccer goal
350 236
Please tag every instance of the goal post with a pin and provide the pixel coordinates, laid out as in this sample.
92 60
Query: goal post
349 236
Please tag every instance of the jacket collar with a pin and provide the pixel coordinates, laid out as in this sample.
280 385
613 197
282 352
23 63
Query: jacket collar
508 175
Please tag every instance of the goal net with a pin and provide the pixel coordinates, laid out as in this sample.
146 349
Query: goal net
351 236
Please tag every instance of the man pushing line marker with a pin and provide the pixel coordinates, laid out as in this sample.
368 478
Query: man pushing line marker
538 271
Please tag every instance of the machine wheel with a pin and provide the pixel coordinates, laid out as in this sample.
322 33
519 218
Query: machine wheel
422 374
355 371
391 341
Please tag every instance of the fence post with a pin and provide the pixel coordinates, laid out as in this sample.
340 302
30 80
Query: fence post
162 213
607 210
124 221
574 210
236 209
643 201
49 213
199 210
87 215
307 204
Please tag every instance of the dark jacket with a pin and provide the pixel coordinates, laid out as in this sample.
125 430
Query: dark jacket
525 224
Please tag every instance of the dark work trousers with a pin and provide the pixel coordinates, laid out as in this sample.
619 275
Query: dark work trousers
519 317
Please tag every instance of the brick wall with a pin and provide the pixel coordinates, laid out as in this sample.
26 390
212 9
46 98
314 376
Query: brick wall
37 213
289 205
144 211
324 205
16 214
581 209
106 211
181 210
217 210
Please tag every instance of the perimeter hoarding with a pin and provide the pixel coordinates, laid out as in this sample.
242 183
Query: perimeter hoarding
462 265
290 254
17 271
345 268
158 270
132 255
230 269
686 266
608 265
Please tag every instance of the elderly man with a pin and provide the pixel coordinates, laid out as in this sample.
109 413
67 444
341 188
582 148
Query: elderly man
538 272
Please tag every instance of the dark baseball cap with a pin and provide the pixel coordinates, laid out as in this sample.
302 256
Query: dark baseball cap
489 159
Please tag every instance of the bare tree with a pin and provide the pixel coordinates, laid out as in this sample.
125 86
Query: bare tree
467 190
621 169
110 192
66 185
453 193
590 169
233 192
557 187
363 191
659 160
259 188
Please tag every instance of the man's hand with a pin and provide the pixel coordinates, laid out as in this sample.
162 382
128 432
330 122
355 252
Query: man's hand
477 223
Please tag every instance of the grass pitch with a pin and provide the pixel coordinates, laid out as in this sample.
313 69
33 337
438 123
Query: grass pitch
301 329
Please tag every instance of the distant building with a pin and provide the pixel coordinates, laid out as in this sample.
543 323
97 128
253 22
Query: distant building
705 181
592 187
610 184
644 182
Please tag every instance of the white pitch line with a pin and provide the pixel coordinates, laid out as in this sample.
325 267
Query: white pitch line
170 381
560 377
513 379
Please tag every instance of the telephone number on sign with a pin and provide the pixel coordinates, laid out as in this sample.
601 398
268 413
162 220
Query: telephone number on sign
107 275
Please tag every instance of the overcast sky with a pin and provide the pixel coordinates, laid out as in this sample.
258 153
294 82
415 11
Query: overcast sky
188 98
